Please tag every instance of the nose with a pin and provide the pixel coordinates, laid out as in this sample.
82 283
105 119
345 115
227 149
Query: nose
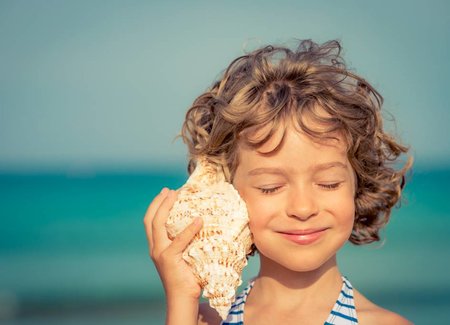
302 203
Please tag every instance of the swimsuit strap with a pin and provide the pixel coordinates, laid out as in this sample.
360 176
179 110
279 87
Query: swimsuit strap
236 313
343 312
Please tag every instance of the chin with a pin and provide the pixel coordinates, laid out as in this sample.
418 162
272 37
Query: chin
305 265
296 261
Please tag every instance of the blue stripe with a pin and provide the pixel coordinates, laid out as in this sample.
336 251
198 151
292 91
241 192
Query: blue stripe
237 323
346 295
237 312
347 285
344 316
232 306
345 305
326 323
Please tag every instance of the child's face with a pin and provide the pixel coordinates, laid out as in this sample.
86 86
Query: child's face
300 188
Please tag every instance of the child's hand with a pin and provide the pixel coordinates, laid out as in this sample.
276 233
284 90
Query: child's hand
178 280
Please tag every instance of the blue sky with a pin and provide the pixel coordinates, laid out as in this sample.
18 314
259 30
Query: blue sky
86 85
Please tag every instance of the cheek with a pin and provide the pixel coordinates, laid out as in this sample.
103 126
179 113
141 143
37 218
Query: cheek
255 210
346 213
342 207
259 209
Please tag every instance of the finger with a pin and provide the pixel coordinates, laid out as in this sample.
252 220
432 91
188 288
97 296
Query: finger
159 232
153 207
151 211
183 239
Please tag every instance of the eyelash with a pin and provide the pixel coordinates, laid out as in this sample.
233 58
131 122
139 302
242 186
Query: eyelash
269 190
274 189
330 186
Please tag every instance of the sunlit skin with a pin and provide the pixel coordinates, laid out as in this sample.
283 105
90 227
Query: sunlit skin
302 185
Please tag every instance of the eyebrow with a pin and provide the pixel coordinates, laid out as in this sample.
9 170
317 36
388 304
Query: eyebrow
259 171
329 165
315 168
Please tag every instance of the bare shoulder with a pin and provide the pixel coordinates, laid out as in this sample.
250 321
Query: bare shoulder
369 313
207 315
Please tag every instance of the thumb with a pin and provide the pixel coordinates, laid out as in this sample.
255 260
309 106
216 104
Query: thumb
183 239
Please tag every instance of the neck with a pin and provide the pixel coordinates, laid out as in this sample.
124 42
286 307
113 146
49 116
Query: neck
293 288
298 280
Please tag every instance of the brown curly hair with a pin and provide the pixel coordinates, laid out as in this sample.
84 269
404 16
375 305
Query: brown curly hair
262 88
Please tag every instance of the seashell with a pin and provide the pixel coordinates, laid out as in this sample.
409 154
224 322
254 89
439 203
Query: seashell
218 252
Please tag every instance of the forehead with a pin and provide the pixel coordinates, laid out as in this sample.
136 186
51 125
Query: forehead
317 132
295 153
291 145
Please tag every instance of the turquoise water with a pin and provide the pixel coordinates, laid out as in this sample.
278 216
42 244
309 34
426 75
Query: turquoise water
73 251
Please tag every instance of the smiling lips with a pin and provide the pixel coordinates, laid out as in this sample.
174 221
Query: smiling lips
303 237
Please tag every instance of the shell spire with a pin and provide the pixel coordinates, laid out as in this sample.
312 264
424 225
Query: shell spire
218 252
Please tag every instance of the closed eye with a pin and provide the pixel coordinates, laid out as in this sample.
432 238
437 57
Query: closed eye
330 186
269 190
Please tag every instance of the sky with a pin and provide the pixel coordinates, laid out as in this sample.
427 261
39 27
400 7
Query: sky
91 85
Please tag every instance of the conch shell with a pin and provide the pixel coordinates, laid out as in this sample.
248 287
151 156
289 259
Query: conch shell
218 252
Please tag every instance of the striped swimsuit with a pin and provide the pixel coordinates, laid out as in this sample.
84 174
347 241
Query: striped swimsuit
343 312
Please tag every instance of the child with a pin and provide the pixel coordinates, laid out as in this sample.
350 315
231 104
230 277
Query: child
301 138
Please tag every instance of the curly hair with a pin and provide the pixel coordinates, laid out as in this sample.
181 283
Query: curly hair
259 90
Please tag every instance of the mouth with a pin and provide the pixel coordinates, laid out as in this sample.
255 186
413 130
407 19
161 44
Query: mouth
302 232
303 236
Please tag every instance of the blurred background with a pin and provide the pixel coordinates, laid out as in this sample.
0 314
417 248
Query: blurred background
93 93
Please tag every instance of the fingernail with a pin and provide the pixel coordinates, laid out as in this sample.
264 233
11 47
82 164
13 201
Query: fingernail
197 221
164 190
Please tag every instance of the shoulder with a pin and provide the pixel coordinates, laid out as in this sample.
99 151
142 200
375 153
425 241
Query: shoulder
369 313
207 315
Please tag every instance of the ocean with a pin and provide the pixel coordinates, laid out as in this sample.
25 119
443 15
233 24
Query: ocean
73 250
